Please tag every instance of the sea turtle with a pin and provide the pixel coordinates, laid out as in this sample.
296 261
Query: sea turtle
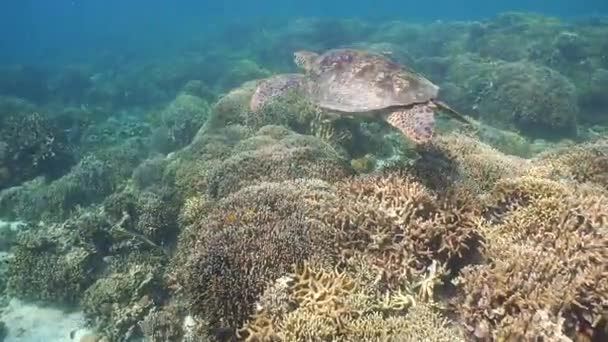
359 82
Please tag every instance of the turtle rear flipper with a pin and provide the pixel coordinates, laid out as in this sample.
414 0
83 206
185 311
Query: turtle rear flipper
416 122
452 112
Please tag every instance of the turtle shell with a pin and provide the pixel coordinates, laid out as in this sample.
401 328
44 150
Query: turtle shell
350 80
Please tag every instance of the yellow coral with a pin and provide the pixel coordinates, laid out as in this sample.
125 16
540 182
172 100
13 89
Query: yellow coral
329 305
583 163
543 255
399 223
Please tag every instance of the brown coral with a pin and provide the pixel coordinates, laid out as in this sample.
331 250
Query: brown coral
457 160
546 257
400 223
581 163
245 240
293 156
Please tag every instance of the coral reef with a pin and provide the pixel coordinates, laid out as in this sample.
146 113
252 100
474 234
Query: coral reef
182 118
94 177
145 219
51 265
262 158
534 99
117 302
164 324
457 160
535 286
401 225
261 227
582 163
156 201
315 304
32 145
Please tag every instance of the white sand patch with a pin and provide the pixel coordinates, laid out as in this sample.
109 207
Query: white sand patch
12 225
31 323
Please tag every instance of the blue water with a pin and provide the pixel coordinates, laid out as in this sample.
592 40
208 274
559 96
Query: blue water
42 31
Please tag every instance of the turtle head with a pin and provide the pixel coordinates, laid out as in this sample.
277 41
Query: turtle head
304 59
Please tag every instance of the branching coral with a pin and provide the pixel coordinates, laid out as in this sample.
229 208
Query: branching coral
546 265
163 325
582 163
402 225
373 258
316 304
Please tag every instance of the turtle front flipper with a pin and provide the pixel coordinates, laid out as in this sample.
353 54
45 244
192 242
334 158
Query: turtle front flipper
416 122
452 112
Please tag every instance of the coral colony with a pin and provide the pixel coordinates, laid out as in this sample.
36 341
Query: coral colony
160 204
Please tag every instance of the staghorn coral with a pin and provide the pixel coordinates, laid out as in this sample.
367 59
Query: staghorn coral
584 163
315 304
541 259
421 323
395 256
399 223
511 193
